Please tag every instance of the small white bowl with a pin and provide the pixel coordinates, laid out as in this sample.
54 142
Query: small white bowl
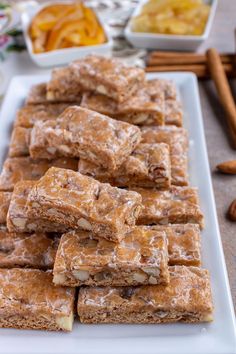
168 41
61 56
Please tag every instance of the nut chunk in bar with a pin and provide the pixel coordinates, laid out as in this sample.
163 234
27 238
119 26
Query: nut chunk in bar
29 300
5 198
140 258
71 199
109 77
187 298
17 218
36 250
183 243
79 132
178 205
17 169
147 166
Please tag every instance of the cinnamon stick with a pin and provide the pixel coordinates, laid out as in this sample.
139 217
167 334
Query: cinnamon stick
218 75
200 70
185 58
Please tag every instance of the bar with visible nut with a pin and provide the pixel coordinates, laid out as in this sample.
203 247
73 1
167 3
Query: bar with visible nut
140 258
17 169
79 132
29 300
147 166
37 94
28 115
5 198
138 109
173 113
17 217
37 250
187 298
76 201
62 87
168 87
107 76
177 139
183 243
19 143
178 205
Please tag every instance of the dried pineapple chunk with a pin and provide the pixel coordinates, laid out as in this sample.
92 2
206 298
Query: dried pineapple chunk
180 17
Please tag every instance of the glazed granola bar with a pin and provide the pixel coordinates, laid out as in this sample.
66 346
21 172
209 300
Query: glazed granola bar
16 169
140 258
157 86
147 166
63 87
37 94
5 198
87 134
29 300
173 113
28 115
36 250
187 298
178 205
183 243
20 140
17 217
107 76
76 201
177 140
138 109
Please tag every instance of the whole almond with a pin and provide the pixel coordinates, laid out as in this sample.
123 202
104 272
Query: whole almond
232 211
228 167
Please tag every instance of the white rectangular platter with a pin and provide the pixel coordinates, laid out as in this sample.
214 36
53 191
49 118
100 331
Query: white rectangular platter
218 337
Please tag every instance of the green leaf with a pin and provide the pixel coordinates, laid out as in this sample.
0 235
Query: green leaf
15 48
14 33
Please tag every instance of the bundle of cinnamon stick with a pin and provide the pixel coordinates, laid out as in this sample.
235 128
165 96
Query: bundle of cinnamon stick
183 61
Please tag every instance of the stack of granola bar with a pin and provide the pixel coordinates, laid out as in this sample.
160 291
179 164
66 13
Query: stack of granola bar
94 195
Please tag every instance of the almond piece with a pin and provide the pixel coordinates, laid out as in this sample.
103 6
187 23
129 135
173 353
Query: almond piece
232 211
228 167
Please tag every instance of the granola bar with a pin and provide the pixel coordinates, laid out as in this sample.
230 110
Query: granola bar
29 300
20 140
17 217
107 76
147 166
16 169
140 258
183 243
178 205
78 201
79 132
5 198
63 87
177 140
173 113
168 87
138 109
37 94
187 298
36 250
28 115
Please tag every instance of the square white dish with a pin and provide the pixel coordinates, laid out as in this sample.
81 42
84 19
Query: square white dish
218 337
168 41
61 56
